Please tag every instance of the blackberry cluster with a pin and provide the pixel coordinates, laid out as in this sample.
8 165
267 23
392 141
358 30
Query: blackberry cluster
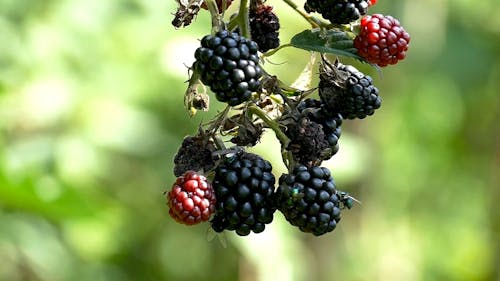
244 188
194 154
338 11
239 189
308 199
346 90
313 131
228 64
264 27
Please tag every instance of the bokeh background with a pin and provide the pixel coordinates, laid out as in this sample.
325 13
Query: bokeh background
91 115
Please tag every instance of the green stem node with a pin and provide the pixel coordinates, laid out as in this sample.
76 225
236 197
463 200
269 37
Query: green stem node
284 140
244 21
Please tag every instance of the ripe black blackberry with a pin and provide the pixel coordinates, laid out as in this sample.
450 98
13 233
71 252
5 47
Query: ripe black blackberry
348 91
308 199
264 27
195 153
338 11
313 131
244 188
228 64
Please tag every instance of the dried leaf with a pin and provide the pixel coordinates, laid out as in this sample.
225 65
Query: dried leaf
303 82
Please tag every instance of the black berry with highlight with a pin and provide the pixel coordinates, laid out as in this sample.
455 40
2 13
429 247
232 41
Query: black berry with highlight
244 188
229 64
308 199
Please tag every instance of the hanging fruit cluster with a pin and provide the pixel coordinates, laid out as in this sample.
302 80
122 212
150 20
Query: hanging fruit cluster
218 180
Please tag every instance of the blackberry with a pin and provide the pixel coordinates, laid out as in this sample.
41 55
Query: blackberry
244 187
194 154
228 64
338 11
264 26
307 141
313 131
191 199
308 199
346 90
331 121
382 40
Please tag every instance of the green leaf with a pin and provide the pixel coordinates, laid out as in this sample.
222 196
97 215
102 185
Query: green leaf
326 41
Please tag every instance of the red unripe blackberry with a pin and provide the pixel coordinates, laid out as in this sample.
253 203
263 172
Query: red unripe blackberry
191 199
244 187
308 199
264 27
338 11
382 40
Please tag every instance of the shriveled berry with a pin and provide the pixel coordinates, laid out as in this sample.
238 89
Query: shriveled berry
194 154
314 132
264 27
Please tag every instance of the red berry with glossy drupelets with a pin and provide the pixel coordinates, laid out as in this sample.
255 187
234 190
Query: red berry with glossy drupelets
381 40
191 199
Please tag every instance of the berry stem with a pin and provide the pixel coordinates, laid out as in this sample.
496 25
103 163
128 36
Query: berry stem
219 143
192 93
217 21
244 21
290 163
342 27
253 109
313 21
288 90
215 124
284 140
273 51
233 22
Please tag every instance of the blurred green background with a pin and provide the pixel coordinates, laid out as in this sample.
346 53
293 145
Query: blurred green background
91 115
